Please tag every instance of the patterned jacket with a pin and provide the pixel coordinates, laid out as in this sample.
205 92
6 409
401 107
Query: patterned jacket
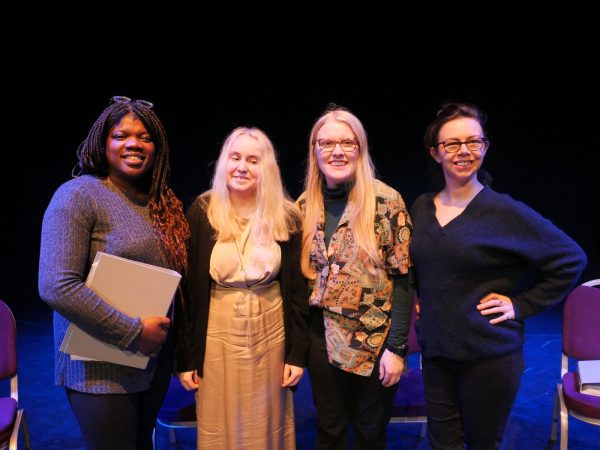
355 294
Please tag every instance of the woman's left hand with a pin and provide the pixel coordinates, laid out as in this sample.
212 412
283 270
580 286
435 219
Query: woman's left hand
391 367
494 303
291 375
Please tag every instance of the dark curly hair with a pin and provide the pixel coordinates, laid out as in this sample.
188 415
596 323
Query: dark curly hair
166 210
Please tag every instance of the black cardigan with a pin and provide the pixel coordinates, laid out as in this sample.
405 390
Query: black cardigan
191 318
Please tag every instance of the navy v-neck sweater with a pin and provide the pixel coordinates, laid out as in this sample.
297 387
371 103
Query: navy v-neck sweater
496 244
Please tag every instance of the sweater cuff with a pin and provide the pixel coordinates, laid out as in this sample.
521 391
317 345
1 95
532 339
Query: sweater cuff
297 356
132 334
522 309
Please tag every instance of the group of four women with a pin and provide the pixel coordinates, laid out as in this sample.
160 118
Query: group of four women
271 286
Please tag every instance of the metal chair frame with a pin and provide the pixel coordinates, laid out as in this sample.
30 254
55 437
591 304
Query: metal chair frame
561 412
9 328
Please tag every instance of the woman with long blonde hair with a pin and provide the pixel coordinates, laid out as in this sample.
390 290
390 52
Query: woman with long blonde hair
242 341
356 233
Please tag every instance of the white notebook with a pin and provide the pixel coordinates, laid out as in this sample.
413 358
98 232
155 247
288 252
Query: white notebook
589 377
134 288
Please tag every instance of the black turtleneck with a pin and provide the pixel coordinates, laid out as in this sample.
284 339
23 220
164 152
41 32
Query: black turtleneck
335 200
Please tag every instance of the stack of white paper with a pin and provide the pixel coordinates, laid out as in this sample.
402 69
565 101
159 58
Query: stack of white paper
589 377
134 288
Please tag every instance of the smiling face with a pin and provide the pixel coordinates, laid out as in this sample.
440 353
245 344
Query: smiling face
462 166
130 152
337 166
243 167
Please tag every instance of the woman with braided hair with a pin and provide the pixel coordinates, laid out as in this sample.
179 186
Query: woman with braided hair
120 203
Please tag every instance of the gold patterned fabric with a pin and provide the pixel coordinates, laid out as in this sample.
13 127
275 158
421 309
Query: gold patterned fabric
355 294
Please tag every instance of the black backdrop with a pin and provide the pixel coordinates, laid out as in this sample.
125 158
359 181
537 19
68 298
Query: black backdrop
540 93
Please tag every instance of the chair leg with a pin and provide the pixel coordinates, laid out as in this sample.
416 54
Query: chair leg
564 433
25 433
555 416
564 419
423 429
20 425
14 437
172 435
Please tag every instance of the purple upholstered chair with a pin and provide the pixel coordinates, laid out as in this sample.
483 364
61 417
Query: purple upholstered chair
12 418
580 341
178 409
409 403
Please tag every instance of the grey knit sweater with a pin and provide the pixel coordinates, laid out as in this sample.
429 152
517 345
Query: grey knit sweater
86 215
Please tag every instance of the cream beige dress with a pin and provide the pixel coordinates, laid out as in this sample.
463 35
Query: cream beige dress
240 403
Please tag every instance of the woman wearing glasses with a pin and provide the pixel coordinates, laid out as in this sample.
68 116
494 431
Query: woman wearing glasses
243 340
119 203
355 254
484 263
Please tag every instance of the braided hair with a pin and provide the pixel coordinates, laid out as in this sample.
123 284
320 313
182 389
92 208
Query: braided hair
166 210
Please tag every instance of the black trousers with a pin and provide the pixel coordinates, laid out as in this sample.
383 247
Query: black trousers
470 401
122 421
342 398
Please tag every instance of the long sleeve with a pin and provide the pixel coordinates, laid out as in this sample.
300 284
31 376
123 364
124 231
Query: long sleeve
191 312
67 234
396 249
87 215
297 336
402 302
556 262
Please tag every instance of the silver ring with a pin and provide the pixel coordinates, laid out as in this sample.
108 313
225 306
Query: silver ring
507 316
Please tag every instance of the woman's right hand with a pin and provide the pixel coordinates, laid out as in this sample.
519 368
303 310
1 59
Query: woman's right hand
189 380
153 335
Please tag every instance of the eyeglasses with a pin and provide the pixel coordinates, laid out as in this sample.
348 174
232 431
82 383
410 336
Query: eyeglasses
328 146
473 144
122 99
